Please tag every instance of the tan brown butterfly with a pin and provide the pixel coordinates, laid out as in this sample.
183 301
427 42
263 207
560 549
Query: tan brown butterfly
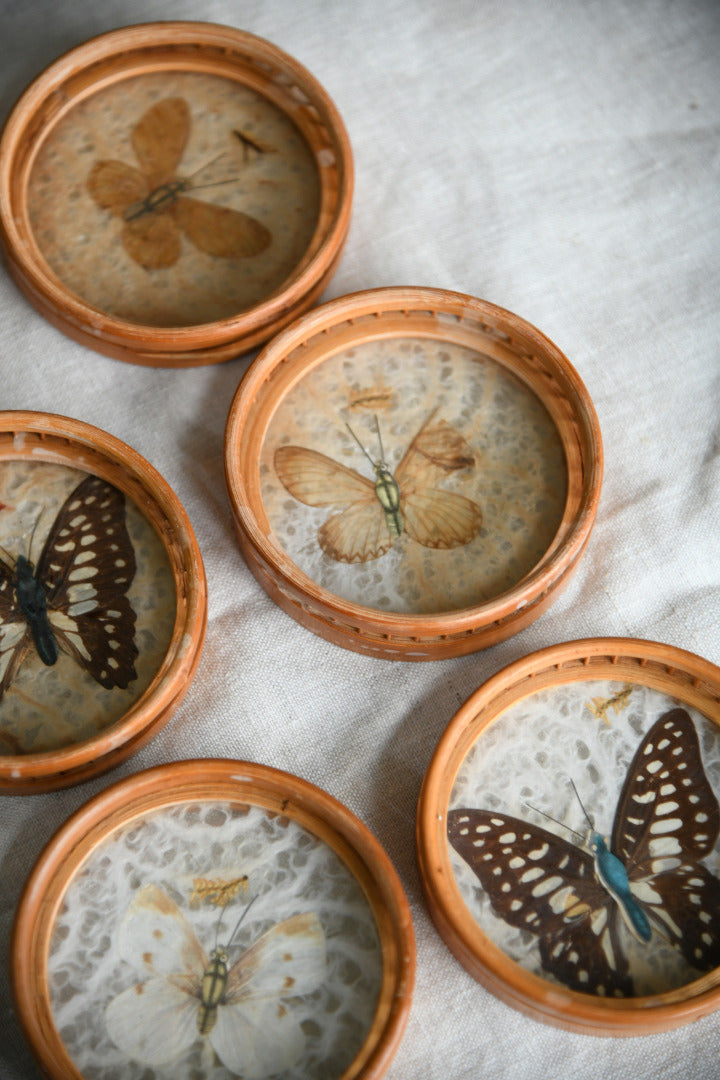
153 202
378 512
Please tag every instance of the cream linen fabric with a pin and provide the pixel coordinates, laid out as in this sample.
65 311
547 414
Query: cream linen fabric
557 158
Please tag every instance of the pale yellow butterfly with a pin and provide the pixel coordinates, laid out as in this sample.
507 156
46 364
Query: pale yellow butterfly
184 996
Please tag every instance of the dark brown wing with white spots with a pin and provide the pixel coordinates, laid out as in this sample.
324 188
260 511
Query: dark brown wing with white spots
14 630
87 566
668 818
537 881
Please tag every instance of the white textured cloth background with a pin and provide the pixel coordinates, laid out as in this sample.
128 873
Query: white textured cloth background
561 160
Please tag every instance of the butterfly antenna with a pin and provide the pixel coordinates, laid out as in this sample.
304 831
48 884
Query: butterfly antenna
551 818
367 455
589 819
239 922
207 165
215 183
32 536
380 443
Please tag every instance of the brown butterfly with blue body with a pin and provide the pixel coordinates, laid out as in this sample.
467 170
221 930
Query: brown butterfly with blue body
650 878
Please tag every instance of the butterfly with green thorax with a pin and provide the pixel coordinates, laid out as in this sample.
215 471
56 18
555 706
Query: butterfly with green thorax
407 501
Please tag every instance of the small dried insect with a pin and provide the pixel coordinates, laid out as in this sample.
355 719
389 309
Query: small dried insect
372 399
216 891
252 145
186 995
599 707
648 878
378 512
75 599
153 201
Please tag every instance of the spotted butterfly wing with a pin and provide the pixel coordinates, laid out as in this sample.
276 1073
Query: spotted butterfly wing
15 637
667 820
253 1031
538 882
85 569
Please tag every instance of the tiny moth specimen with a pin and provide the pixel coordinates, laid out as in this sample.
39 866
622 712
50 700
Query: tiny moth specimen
378 512
186 995
649 879
599 707
153 203
251 145
75 599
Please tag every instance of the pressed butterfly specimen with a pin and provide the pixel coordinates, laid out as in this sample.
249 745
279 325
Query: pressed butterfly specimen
378 512
74 599
650 879
186 995
153 201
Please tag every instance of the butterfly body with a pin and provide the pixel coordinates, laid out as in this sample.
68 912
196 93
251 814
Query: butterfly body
388 493
160 198
613 877
32 599
212 990
651 877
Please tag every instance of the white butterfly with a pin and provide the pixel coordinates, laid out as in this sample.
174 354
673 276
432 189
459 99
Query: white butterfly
186 996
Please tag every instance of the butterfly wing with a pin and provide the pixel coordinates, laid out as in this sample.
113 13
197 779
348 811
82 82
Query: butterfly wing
114 186
155 1020
287 960
220 230
433 517
156 939
14 630
152 240
358 533
668 818
255 1035
437 450
159 139
440 519
538 882
87 566
317 480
